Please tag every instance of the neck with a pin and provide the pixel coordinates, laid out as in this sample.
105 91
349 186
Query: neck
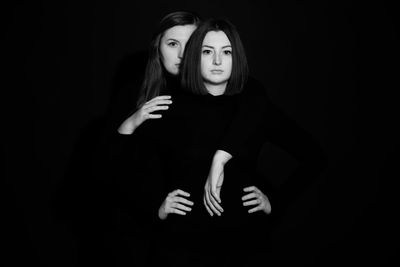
216 89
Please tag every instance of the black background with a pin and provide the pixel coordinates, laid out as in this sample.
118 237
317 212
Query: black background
329 65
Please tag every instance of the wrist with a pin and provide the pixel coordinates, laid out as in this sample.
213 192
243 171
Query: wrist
162 215
221 157
128 126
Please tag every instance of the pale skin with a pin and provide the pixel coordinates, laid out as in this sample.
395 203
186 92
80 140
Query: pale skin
172 47
216 68
176 202
218 65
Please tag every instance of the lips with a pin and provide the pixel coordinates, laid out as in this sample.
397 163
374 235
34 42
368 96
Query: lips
217 71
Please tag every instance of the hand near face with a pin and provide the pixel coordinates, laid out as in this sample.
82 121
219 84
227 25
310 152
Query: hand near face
144 113
176 202
254 197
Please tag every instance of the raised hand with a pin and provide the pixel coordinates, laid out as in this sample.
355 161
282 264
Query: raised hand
144 113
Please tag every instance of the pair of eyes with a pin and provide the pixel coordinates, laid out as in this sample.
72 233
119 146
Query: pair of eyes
204 52
209 52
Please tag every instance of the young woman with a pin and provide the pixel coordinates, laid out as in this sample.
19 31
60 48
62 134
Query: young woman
166 54
178 150
161 75
238 123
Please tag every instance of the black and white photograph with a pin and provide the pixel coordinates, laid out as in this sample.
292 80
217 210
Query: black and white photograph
200 133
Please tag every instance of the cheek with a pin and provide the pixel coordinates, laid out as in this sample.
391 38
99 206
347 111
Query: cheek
165 58
203 67
168 56
229 68
229 63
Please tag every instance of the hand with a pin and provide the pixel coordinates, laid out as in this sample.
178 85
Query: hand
173 203
258 198
144 113
215 179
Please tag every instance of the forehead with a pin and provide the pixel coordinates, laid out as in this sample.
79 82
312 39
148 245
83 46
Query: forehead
216 38
179 32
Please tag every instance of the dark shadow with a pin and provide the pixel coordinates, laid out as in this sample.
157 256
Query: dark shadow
84 200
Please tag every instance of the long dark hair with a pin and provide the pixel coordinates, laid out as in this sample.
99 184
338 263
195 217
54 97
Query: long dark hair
154 81
191 77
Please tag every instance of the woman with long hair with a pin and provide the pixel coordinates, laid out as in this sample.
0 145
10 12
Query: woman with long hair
176 152
211 122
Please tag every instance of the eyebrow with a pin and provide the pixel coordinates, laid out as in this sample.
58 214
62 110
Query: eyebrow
172 39
209 46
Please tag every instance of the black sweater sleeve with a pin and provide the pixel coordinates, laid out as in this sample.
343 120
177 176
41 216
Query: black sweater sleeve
243 134
258 121
138 175
287 134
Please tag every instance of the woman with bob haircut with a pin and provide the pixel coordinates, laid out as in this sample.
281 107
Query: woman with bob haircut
214 73
210 123
191 78
160 78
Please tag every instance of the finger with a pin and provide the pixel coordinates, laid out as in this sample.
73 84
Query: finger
154 116
207 208
252 202
181 207
183 200
254 209
176 211
215 195
181 192
210 205
250 188
249 196
161 97
157 103
215 204
156 108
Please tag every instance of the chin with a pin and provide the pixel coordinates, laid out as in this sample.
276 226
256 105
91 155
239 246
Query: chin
217 81
173 72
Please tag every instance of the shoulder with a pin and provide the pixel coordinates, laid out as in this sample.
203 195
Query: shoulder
254 87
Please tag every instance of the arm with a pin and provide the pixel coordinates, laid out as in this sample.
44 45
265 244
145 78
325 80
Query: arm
241 140
285 133
214 182
144 113
257 121
138 175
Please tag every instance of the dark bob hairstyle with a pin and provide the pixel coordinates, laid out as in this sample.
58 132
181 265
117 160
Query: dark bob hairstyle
191 77
154 81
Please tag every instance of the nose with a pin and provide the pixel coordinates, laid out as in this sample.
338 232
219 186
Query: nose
217 59
180 52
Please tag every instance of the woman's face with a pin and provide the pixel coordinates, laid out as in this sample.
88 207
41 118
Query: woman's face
173 45
216 58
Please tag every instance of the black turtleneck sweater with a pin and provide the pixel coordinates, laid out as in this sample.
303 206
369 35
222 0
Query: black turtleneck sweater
175 152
